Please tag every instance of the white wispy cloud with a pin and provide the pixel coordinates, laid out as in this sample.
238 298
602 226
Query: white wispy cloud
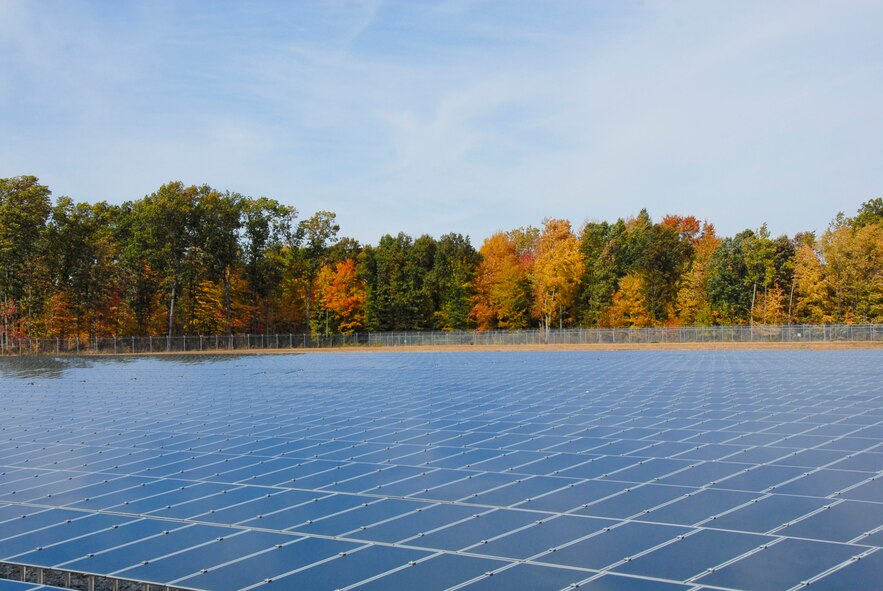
461 115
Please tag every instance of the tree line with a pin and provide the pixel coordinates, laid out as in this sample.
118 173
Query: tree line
195 260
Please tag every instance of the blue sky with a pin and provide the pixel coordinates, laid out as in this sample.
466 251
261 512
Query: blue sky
467 116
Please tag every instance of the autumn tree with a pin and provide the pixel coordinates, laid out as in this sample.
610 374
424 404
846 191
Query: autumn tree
209 312
501 285
341 294
316 235
629 306
810 296
692 303
219 221
854 271
688 228
556 271
525 241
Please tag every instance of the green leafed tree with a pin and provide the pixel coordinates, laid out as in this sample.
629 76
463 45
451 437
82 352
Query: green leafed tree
395 271
451 281
24 208
316 235
84 250
267 233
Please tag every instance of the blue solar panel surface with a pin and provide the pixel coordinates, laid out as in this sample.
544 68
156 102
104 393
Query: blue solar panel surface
613 471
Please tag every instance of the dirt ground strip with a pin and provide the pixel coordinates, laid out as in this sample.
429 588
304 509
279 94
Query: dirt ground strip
809 346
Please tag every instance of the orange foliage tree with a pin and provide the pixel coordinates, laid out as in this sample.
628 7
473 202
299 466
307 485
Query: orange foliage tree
501 286
342 294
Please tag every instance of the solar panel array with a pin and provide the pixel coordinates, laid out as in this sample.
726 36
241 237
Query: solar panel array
610 471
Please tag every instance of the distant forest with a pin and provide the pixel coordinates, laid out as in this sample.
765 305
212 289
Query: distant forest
194 260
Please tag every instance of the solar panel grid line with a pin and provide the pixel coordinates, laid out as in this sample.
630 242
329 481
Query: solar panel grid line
649 550
28 454
122 572
601 575
614 523
234 561
391 571
63 496
71 549
613 526
862 537
22 552
39 514
172 527
735 559
84 461
304 568
466 583
773 546
24 475
822 576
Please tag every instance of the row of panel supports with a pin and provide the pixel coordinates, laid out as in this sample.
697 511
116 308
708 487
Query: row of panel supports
67 579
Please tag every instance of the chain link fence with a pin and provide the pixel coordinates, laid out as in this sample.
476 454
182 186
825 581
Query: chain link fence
791 333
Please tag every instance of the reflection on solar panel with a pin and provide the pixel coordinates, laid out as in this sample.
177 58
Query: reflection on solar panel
735 470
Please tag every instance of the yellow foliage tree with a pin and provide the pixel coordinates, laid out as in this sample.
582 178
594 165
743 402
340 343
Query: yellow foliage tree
692 304
208 317
629 306
771 307
557 271
854 271
812 298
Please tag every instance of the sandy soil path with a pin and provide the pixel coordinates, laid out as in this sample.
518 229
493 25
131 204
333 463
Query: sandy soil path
810 346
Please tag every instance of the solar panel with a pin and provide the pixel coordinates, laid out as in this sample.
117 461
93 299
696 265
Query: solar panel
659 471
